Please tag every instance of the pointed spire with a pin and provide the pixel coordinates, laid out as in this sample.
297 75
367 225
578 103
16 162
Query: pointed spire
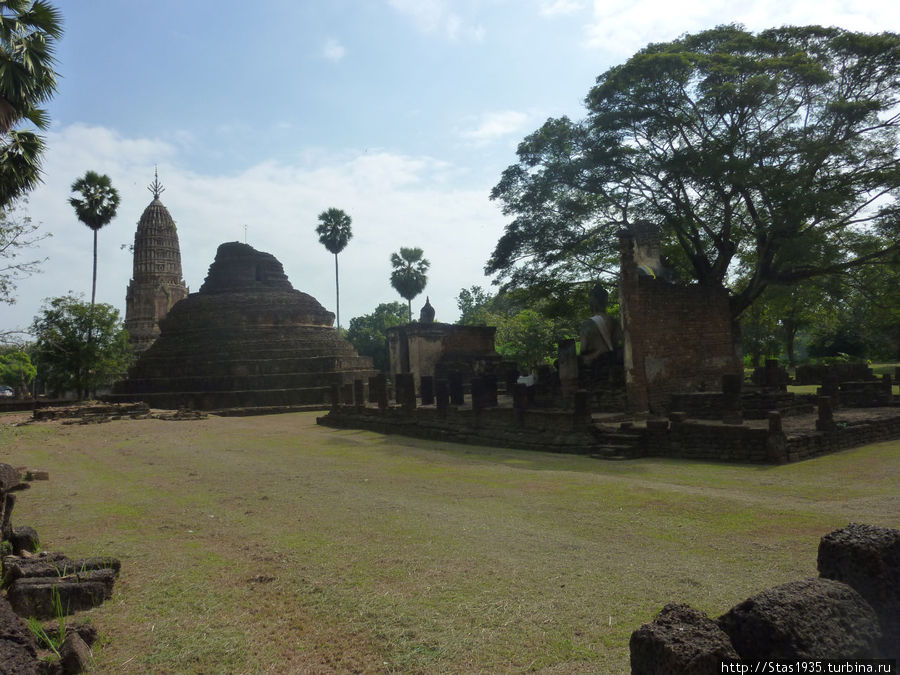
156 187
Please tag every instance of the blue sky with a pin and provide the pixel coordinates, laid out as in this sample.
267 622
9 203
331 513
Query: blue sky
401 112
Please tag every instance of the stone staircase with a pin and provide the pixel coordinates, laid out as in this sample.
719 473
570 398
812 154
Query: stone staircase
617 443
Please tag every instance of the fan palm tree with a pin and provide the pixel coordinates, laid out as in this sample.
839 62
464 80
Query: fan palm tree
334 234
408 277
28 31
95 208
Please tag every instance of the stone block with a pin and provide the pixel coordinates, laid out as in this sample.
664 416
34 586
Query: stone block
18 651
24 539
805 619
680 640
36 596
74 654
867 557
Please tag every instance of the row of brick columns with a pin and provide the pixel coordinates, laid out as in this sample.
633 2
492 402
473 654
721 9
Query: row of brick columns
445 392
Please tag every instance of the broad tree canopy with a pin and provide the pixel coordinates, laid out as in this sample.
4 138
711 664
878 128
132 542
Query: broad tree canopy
765 159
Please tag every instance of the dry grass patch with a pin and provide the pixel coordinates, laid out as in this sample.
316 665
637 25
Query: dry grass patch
269 544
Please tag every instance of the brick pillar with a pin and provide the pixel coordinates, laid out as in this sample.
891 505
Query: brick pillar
426 387
359 393
335 396
478 395
582 408
490 390
381 391
407 386
732 412
398 386
441 394
826 415
776 443
455 380
510 379
568 369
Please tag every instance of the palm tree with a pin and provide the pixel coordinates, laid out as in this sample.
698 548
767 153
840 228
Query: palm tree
408 277
96 207
334 234
28 31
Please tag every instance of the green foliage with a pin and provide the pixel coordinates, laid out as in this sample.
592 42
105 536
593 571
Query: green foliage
335 233
472 303
367 332
95 208
98 202
763 157
526 337
16 370
28 33
16 234
530 322
334 230
409 275
79 347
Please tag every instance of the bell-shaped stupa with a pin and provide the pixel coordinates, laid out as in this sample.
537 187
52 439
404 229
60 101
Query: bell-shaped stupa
247 339
156 283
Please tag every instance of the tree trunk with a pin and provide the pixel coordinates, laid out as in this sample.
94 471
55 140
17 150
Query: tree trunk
790 333
94 282
409 303
337 294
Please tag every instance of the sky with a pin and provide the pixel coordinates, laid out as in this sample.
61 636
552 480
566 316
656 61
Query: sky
261 115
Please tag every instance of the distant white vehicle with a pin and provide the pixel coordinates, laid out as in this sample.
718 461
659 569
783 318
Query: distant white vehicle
6 392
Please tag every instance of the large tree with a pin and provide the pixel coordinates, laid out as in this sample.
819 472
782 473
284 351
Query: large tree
763 158
409 274
334 234
367 332
79 346
95 207
29 30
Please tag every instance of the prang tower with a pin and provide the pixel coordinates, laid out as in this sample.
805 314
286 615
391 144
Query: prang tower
156 284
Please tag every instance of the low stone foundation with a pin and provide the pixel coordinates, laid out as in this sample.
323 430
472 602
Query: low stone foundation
774 441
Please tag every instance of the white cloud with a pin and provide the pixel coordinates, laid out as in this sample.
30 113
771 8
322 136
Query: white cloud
435 16
560 7
394 200
622 27
495 125
333 50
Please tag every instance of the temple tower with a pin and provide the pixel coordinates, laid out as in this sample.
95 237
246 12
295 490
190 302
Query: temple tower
156 282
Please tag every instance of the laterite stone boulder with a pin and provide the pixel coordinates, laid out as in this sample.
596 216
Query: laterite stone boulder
867 557
680 641
805 619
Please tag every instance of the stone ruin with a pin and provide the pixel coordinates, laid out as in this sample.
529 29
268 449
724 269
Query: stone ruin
667 382
851 611
246 340
436 351
156 284
44 586
677 338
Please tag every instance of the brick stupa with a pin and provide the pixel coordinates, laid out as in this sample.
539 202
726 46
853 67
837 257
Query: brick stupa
247 339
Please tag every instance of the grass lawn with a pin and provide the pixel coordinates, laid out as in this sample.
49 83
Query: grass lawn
268 544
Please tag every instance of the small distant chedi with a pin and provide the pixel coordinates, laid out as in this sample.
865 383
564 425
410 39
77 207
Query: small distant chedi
247 339
156 283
